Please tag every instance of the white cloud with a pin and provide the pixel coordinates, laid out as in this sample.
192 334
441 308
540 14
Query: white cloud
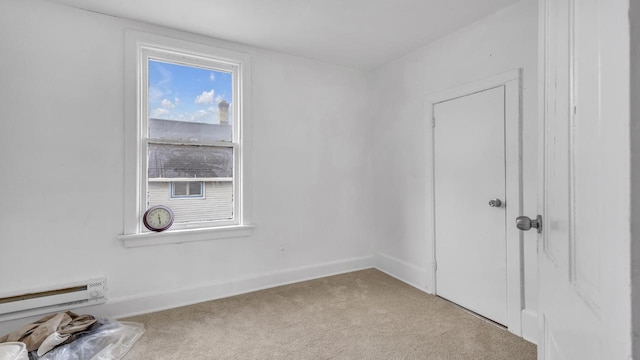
166 75
176 100
205 98
155 94
219 98
159 113
212 77
161 87
199 116
167 104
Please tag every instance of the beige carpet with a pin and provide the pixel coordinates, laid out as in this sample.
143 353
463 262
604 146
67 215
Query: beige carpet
361 315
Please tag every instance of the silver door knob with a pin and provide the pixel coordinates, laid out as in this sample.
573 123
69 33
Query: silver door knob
495 203
524 223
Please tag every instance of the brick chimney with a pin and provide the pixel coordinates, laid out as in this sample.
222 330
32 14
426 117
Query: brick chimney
223 108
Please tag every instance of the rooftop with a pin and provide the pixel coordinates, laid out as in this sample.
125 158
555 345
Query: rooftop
189 161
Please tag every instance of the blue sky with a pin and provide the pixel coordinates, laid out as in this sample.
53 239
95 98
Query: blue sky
185 93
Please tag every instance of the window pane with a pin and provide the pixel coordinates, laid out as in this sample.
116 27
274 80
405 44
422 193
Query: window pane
211 167
189 161
189 103
195 188
179 188
215 206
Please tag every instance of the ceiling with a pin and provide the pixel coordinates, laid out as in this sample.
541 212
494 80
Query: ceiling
357 33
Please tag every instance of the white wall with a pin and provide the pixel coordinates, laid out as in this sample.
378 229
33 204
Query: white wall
504 41
61 136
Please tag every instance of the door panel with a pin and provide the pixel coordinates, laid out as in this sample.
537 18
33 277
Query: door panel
557 129
571 263
587 159
469 170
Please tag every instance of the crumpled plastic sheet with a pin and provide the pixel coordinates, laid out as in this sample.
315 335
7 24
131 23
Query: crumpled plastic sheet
111 340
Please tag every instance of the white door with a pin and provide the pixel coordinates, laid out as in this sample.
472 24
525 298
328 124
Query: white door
583 255
469 171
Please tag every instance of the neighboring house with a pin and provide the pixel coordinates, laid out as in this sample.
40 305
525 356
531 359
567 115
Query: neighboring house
191 180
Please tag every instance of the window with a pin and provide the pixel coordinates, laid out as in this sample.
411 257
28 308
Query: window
188 134
186 105
187 189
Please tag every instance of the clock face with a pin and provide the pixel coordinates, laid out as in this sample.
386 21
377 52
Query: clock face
158 218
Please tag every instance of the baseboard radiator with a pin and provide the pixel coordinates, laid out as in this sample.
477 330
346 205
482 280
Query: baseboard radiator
16 306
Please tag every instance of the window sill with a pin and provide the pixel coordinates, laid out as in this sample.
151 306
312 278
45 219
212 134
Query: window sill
185 236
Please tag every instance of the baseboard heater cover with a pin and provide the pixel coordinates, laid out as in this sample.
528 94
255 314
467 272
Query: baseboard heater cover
51 300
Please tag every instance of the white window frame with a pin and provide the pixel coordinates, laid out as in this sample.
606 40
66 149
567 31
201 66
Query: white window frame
139 48
146 53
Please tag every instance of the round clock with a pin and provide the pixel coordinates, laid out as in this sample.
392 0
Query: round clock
158 218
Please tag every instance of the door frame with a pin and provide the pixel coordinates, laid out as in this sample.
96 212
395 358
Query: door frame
512 82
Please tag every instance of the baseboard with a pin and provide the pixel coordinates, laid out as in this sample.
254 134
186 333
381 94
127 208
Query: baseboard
120 308
530 325
403 271
142 304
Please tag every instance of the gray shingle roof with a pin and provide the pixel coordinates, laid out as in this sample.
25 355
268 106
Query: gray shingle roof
161 129
189 161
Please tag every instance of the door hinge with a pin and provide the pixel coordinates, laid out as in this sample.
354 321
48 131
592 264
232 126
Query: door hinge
433 122
435 266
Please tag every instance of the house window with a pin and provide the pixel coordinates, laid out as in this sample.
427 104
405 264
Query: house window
184 143
188 131
187 189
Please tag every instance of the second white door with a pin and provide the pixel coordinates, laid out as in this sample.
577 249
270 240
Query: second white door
469 172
